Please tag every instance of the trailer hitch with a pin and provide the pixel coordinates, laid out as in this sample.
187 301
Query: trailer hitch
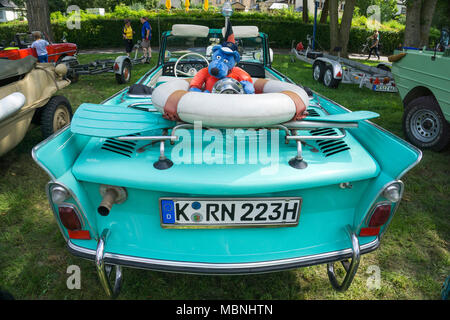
104 271
350 267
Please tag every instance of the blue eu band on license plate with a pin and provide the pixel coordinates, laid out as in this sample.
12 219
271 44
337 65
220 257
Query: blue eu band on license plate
217 213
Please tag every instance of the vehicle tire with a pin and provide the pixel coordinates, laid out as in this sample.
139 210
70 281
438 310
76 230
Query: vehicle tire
56 114
318 70
328 79
383 67
424 124
125 75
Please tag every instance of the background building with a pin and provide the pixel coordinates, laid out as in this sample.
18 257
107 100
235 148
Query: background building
9 11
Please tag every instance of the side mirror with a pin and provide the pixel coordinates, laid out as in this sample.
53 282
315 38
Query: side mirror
270 55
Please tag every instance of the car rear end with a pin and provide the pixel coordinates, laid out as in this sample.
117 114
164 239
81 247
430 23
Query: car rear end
114 205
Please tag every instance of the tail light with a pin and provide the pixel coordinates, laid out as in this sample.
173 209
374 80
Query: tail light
380 215
383 210
116 66
339 74
377 81
69 217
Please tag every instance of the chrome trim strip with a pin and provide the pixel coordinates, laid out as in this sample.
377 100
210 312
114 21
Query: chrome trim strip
59 53
222 268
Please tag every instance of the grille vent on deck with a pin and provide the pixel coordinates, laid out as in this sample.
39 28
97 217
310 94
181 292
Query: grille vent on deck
329 147
125 148
312 113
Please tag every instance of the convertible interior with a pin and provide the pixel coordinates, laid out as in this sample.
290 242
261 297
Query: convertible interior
188 50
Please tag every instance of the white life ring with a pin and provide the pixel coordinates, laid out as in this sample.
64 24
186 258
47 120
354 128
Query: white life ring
275 102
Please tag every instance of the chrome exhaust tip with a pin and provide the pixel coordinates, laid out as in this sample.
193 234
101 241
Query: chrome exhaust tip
111 195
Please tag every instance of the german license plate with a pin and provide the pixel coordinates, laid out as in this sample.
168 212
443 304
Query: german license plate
229 213
384 88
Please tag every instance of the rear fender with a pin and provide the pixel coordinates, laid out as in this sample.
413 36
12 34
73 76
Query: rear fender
59 152
120 61
337 67
394 156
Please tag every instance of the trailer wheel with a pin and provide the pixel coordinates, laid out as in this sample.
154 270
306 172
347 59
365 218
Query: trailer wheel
424 124
328 79
125 75
56 114
318 70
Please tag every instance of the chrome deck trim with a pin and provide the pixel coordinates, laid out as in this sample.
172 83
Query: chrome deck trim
221 268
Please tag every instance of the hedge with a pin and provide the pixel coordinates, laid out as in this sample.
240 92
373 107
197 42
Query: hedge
101 32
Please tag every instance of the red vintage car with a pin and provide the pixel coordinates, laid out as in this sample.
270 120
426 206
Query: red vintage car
21 47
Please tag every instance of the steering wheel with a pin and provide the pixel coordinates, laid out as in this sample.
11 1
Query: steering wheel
192 72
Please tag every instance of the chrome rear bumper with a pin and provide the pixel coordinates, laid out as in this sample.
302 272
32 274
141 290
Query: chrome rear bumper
105 260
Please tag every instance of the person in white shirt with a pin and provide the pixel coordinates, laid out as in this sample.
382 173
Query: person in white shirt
40 45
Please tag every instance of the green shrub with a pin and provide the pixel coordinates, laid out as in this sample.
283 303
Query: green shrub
282 27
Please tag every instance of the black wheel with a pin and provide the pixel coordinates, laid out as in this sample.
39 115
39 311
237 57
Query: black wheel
55 115
424 124
125 75
318 71
328 79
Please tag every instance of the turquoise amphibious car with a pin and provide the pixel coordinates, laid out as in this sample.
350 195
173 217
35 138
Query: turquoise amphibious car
132 188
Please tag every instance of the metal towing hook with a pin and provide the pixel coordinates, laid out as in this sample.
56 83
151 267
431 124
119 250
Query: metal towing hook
350 267
104 271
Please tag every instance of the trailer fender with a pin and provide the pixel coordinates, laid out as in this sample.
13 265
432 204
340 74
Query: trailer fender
119 63
337 67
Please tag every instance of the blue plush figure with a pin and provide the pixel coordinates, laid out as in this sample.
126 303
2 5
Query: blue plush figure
223 64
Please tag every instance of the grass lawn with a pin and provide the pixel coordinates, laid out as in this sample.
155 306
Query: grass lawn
413 258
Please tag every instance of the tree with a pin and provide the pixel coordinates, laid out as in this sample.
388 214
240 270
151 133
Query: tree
324 14
305 11
441 17
419 15
38 16
339 34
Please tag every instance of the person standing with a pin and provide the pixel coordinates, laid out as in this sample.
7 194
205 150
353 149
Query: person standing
375 44
128 36
41 46
146 34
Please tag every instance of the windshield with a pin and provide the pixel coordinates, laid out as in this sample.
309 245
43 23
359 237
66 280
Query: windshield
250 49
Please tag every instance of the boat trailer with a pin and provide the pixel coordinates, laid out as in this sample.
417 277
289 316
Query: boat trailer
331 70
120 66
